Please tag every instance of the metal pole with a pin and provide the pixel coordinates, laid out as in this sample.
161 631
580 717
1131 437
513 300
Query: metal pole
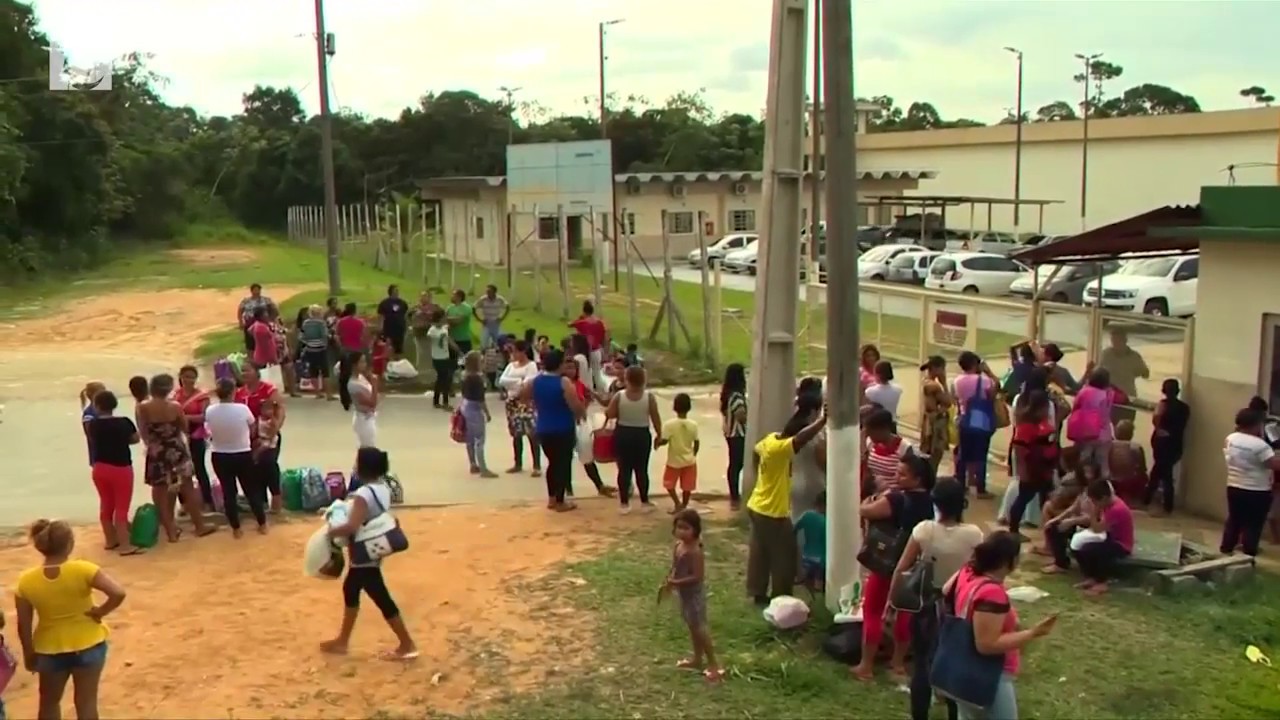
815 192
604 117
1017 150
332 246
1084 139
773 358
844 529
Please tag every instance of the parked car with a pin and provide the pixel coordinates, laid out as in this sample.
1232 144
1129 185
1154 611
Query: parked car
722 247
1153 286
911 267
1040 239
741 261
869 236
995 243
973 272
874 264
1065 287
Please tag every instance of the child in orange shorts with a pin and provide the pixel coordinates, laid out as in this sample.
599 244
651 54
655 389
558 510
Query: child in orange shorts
680 435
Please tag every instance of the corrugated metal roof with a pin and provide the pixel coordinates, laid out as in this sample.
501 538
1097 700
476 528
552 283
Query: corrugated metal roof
1126 237
685 177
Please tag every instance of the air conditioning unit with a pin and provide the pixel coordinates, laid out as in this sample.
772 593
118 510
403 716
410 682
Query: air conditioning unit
633 188
739 189
679 191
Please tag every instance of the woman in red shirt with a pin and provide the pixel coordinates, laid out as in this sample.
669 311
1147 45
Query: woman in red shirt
350 330
194 402
597 335
1035 448
255 393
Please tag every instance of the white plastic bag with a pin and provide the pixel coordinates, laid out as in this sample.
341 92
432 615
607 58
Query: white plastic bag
585 448
316 552
335 515
1086 537
401 370
272 374
786 612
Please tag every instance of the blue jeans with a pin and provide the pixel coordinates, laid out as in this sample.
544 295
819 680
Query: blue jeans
490 333
975 445
68 661
1005 706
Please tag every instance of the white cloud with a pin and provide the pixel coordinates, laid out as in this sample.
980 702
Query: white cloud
390 52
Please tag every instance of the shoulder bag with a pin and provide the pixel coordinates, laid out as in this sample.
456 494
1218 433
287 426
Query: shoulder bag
959 672
378 538
914 590
882 547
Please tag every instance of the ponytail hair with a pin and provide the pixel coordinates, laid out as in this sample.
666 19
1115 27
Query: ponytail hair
87 393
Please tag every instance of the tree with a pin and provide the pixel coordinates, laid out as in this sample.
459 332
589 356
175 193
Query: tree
1149 99
1056 111
1259 95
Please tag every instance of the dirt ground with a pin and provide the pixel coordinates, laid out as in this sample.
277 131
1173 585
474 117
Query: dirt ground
213 256
219 627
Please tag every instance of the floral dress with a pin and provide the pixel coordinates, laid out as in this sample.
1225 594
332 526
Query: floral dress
935 431
168 458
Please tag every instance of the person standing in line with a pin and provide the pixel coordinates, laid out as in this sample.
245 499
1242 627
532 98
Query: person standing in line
194 401
247 312
589 324
867 359
350 331
635 410
88 413
680 436
443 361
520 422
394 312
475 410
556 410
733 416
1169 429
975 394
316 337
266 352
364 392
162 424
113 471
882 391
420 318
583 447
491 310
255 393
935 411
459 315
1089 426
60 627
1251 463
230 426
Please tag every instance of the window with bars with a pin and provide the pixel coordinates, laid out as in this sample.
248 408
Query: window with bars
742 221
479 228
680 222
548 227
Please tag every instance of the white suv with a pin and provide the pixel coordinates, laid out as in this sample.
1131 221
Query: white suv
1152 286
725 245
973 272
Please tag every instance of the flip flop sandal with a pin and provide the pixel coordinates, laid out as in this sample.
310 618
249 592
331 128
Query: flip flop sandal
713 676
392 656
135 551
687 664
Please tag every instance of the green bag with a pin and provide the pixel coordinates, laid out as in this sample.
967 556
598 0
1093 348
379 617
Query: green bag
291 489
144 532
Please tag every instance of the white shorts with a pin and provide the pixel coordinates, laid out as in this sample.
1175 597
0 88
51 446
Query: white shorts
366 428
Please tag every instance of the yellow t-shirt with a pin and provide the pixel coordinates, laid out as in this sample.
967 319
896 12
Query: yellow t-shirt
681 435
771 496
60 605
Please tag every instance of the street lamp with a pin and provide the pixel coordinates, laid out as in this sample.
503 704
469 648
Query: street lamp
1017 148
1088 61
604 117
511 108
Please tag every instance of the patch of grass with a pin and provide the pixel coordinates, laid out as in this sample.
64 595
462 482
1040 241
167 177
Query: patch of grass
1126 656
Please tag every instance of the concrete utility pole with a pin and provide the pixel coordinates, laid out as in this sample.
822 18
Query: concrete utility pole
1017 149
773 357
816 166
604 108
1084 139
510 92
325 50
844 394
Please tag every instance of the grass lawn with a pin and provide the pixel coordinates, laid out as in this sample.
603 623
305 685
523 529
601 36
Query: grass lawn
1127 656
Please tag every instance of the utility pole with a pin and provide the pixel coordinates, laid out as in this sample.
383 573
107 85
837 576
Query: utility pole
773 357
1084 139
511 111
325 50
604 111
613 228
815 189
1017 150
844 394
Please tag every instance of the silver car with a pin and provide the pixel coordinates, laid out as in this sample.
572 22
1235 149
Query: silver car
911 267
722 247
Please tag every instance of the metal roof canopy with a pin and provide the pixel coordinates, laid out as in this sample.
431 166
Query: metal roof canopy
1130 239
942 202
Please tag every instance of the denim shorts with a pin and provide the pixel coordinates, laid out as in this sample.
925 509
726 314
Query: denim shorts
66 662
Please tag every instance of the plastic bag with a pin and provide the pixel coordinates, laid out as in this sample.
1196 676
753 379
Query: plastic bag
272 374
318 553
401 370
585 443
1086 537
786 612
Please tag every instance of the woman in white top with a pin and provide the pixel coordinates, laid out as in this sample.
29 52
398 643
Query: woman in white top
948 542
364 404
230 426
1250 464
882 391
519 370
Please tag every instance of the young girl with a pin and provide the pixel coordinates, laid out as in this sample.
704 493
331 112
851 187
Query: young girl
476 412
367 502
1127 461
268 462
60 628
687 579
379 358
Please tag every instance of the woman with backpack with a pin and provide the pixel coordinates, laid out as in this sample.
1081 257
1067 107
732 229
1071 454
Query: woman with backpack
1089 425
367 503
975 394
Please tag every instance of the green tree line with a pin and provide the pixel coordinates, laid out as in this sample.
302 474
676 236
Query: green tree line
81 169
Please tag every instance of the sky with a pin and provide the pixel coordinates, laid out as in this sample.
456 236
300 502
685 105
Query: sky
947 52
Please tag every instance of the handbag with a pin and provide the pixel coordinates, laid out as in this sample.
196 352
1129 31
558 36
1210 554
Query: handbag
458 427
378 538
959 671
882 547
914 590
602 444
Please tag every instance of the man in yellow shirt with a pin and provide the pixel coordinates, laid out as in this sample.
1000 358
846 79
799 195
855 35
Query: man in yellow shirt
680 435
772 553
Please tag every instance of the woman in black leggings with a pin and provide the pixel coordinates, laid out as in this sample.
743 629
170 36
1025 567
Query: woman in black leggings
230 425
367 502
636 410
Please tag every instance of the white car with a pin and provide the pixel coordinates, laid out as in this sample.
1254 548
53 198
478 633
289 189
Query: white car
911 267
725 245
974 272
744 260
1152 286
874 263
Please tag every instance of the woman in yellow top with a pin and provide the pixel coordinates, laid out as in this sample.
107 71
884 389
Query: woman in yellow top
772 553
68 640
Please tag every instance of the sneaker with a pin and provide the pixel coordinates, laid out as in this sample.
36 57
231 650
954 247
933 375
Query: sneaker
648 507
625 510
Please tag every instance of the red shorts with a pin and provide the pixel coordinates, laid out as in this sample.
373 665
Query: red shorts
685 477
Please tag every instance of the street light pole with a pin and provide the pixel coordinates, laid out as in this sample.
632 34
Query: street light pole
325 50
613 228
1017 150
511 116
1088 61
604 112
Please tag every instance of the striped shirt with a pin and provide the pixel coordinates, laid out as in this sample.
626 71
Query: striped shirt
883 460
737 406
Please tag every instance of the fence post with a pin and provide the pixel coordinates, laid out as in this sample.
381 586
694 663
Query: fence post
632 310
537 258
509 242
453 256
666 283
562 221
469 243
708 350
718 313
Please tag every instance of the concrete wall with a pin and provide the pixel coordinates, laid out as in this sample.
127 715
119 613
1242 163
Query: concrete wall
1228 355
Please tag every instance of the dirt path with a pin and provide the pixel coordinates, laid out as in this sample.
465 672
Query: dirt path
488 621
